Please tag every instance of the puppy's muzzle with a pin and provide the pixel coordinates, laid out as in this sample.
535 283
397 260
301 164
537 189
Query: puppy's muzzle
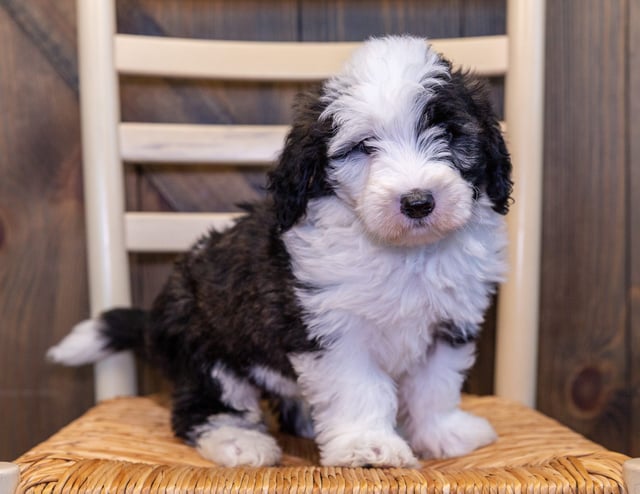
417 204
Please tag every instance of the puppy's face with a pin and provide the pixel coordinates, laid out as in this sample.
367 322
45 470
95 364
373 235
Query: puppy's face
410 146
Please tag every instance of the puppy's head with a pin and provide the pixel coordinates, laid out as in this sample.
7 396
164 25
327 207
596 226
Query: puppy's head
410 145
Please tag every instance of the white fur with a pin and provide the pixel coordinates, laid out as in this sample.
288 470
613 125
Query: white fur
85 344
231 446
274 381
354 406
382 281
429 399
374 309
237 393
380 100
388 297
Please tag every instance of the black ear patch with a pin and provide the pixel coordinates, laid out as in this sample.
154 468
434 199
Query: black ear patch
497 162
301 171
463 110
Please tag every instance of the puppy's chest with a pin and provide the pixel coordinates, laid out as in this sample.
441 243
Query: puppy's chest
390 297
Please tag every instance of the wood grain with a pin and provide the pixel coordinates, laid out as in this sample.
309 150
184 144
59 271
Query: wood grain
341 20
483 17
583 356
633 227
42 257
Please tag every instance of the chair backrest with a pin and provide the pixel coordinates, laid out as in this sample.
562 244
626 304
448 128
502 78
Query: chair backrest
107 143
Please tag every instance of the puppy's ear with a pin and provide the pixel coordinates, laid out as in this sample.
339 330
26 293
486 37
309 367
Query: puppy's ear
498 166
301 171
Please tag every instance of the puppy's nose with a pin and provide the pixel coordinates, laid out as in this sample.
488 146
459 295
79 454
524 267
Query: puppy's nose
417 204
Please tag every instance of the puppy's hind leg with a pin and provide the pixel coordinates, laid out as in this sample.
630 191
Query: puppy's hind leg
221 417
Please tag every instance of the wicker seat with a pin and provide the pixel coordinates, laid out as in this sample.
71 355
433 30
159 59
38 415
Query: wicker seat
126 445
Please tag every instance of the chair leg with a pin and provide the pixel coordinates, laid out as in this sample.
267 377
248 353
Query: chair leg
631 473
9 475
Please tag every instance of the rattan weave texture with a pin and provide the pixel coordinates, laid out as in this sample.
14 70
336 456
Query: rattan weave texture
125 445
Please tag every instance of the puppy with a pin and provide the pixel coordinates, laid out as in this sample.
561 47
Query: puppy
354 293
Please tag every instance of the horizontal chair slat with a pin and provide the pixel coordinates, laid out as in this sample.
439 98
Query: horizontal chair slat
171 232
187 143
277 61
210 144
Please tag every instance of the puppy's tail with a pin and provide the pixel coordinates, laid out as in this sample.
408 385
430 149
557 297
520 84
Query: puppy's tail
95 339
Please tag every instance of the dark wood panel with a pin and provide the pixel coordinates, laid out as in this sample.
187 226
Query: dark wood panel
483 17
633 164
51 28
583 359
223 19
342 20
42 255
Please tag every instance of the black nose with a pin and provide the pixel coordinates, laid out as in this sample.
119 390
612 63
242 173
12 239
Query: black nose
417 204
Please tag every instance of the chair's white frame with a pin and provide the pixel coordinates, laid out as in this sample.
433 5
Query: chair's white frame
111 232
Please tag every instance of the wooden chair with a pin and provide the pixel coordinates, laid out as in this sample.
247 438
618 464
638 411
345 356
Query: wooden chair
125 444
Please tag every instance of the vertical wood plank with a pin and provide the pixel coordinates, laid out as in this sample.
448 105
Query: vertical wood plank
633 167
42 252
583 359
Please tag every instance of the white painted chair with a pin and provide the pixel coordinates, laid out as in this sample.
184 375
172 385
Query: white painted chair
107 143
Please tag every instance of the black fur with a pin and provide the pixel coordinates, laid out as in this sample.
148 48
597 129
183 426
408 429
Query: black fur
195 400
301 173
456 335
463 109
229 301
124 329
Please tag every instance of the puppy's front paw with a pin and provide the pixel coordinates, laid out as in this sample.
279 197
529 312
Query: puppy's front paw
357 449
234 446
453 434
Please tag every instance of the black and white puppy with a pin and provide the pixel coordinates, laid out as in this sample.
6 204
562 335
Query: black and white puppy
355 291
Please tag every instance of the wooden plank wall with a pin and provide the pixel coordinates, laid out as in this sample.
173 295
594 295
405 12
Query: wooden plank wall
585 359
633 227
590 305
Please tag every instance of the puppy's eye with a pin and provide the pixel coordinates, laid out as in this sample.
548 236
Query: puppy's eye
363 147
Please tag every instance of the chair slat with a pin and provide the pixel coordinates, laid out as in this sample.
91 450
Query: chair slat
171 232
277 61
181 143
207 144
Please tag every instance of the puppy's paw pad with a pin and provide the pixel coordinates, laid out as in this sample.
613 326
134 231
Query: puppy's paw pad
454 434
234 446
368 449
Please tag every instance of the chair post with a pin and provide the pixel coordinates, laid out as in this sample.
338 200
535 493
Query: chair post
631 474
103 183
517 338
9 477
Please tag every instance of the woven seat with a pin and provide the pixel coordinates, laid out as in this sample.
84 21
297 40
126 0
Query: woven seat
126 445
